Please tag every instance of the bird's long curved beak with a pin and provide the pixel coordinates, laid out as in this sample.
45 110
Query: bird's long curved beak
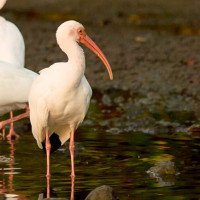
87 41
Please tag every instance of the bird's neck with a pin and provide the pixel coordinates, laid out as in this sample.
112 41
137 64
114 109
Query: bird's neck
76 60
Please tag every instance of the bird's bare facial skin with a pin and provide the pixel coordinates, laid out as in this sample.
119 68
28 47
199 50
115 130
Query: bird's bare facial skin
81 32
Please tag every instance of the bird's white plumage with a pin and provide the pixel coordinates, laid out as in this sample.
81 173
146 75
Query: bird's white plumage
15 84
60 95
2 3
12 46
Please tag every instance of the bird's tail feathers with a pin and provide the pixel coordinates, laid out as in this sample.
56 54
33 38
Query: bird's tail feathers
55 143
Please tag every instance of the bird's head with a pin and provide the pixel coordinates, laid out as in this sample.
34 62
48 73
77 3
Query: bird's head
75 31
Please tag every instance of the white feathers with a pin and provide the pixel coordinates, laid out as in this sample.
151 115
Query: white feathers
15 84
11 44
67 32
2 3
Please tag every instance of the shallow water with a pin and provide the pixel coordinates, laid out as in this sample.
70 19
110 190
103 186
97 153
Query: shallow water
105 155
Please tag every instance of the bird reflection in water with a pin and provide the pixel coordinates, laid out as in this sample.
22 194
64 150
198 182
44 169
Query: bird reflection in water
6 189
49 191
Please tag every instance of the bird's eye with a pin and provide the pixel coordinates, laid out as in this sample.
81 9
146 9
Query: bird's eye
80 31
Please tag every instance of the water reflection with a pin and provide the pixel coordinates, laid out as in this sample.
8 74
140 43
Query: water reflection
103 192
6 188
99 161
53 195
50 193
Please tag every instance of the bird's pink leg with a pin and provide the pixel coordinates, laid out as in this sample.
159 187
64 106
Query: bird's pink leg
12 133
48 148
8 121
71 148
3 132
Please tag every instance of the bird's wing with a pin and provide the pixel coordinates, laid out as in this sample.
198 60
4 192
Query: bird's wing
15 84
39 112
38 117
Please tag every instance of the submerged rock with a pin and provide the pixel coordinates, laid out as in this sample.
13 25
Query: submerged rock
103 192
194 131
194 128
162 168
114 130
106 100
164 172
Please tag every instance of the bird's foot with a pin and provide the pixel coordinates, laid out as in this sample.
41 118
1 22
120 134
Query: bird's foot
12 134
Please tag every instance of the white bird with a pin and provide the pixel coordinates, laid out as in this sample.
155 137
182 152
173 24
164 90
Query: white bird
60 95
12 53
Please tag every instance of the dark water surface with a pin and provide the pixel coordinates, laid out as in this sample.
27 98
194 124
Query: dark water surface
105 155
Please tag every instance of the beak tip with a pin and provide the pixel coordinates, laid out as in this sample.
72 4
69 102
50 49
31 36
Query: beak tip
111 77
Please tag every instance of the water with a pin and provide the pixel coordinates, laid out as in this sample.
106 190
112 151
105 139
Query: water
105 155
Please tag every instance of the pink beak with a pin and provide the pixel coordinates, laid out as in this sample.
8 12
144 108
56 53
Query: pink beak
91 45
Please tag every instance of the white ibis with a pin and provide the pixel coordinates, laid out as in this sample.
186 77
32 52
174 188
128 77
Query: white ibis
60 95
12 52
